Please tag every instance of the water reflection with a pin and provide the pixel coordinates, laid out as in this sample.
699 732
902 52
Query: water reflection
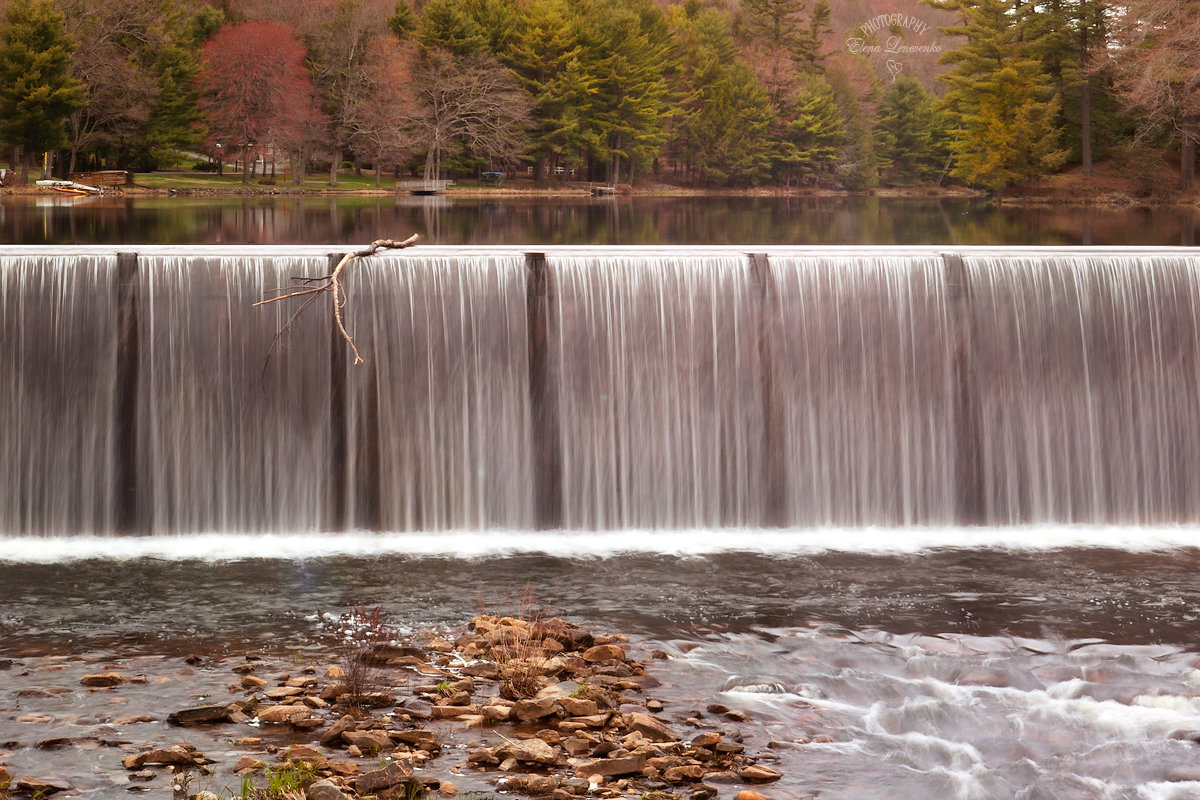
583 220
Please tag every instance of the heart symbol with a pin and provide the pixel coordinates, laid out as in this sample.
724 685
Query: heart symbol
894 67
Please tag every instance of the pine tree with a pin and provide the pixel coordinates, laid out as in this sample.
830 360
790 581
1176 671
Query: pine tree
37 91
815 137
907 134
1006 117
725 119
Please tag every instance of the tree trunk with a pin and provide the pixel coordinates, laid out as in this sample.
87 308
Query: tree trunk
26 165
1085 124
1187 157
245 168
334 165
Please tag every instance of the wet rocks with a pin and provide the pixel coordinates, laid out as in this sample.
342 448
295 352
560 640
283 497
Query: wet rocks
202 715
102 680
40 787
386 778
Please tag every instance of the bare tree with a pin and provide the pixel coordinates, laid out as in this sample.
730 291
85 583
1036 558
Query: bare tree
472 100
1157 70
381 120
112 41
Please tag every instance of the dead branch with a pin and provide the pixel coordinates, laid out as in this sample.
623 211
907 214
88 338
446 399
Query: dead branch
331 283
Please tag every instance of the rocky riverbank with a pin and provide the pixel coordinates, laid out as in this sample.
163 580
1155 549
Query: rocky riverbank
540 708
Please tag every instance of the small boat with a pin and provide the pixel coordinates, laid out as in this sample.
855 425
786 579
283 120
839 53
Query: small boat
71 187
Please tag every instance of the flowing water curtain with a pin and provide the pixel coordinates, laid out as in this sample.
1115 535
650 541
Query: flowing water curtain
864 357
229 440
58 328
1088 372
439 424
659 393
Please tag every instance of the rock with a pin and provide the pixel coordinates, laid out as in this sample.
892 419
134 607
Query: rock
496 713
102 679
324 790
533 751
576 746
482 669
758 773
177 755
450 712
653 729
529 784
530 710
578 706
418 738
750 794
205 795
135 761
603 652
612 767
705 792
447 789
251 682
368 741
143 776
333 691
688 773
302 753
575 786
280 714
392 775
54 744
134 719
708 740
40 787
248 763
333 736
335 673
282 692
200 715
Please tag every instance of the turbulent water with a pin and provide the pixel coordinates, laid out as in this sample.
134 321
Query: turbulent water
930 517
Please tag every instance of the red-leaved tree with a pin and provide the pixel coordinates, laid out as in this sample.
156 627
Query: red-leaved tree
255 85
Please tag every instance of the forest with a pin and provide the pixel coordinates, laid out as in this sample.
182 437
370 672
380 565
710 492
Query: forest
990 94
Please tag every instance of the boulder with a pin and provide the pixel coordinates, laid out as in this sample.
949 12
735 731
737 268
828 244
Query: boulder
759 773
652 728
708 740
603 652
251 682
688 773
333 736
103 680
368 741
177 755
450 712
578 706
324 790
40 787
200 715
533 751
530 710
248 763
528 784
424 740
392 775
282 692
750 794
612 767
281 714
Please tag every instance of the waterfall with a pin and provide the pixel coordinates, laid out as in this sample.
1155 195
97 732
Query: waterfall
608 389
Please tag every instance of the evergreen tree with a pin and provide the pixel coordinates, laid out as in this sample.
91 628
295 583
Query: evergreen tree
448 25
815 137
1005 116
37 91
1064 36
626 47
723 133
907 134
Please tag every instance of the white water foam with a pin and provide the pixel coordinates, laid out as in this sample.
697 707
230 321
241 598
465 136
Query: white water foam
592 544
